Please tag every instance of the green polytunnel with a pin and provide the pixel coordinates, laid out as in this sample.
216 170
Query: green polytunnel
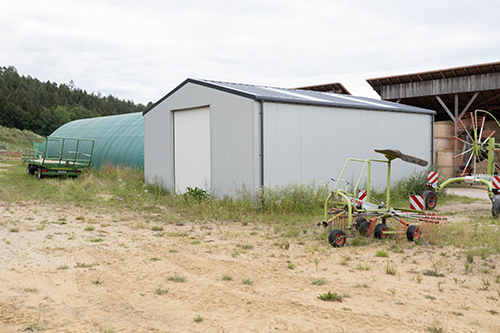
118 139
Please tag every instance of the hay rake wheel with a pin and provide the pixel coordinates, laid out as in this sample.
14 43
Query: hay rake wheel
472 144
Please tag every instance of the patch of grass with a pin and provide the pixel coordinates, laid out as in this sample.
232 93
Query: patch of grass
291 266
245 246
80 218
155 259
318 282
470 256
363 285
30 290
62 267
382 254
458 314
330 297
359 241
160 291
493 312
389 269
435 328
83 265
283 244
363 266
432 298
89 228
345 259
247 281
434 271
227 277
173 251
157 228
177 278
97 282
14 229
198 319
196 242
34 327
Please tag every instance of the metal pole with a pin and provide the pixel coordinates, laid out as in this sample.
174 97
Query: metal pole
456 135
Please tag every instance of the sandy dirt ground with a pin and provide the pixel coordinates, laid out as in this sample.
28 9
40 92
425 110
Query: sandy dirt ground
66 269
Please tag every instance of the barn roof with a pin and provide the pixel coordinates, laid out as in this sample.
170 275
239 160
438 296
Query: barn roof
296 96
445 90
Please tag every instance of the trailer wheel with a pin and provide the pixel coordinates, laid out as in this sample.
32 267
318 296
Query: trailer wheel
379 231
413 233
359 220
40 173
430 199
29 170
363 228
495 207
337 238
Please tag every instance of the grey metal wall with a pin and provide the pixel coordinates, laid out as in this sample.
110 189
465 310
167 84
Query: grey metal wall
235 138
304 143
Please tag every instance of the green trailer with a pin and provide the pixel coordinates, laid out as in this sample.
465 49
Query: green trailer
58 157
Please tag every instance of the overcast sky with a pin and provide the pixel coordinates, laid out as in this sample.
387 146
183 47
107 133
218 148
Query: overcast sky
140 50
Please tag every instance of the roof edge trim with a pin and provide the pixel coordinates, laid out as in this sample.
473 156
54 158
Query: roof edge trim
201 83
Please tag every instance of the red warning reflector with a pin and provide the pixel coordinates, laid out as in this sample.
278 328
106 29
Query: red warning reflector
416 202
432 179
496 182
362 195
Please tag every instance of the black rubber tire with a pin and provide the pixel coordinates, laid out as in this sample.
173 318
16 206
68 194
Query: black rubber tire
495 206
430 200
337 238
413 233
40 173
359 220
379 229
363 228
29 170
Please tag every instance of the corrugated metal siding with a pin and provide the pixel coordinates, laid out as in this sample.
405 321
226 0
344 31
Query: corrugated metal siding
306 143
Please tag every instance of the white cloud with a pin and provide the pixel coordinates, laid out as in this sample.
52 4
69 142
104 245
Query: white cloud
141 50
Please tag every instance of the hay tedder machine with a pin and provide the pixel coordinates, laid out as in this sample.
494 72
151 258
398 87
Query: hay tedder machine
355 210
477 148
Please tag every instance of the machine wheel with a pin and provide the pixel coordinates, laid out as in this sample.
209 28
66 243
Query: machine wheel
29 170
413 233
379 229
430 199
337 238
363 228
495 207
40 173
359 220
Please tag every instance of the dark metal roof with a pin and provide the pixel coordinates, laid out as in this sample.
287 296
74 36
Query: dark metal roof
492 67
337 88
294 96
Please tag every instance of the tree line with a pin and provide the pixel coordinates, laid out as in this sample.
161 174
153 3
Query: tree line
27 103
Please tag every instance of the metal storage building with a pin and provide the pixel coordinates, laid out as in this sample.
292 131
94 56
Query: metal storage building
230 137
118 139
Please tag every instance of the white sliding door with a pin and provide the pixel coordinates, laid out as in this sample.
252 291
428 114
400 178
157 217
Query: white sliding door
192 156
